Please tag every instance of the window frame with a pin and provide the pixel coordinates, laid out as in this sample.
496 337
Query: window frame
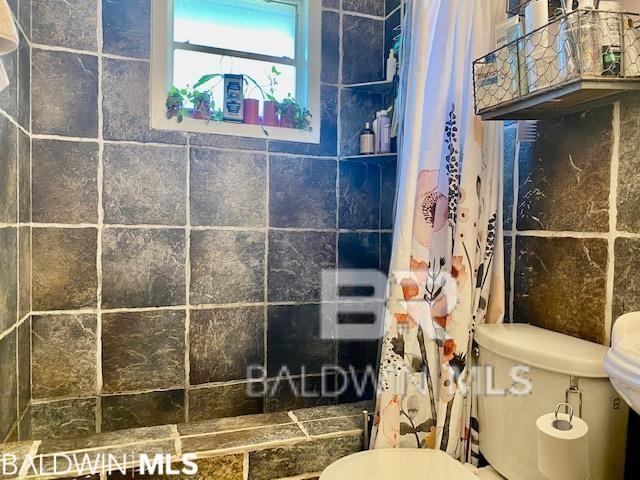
307 61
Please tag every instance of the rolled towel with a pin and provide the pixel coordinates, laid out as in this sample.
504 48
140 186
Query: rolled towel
8 31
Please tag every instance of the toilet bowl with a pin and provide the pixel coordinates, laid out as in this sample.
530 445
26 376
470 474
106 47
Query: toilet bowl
405 464
623 359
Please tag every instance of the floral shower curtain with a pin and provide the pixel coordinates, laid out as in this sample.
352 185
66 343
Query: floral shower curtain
447 262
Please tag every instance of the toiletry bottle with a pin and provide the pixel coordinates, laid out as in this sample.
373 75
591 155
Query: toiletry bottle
376 132
384 132
392 65
367 140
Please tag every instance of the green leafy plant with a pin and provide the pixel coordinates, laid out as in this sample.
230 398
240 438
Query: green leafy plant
202 102
301 116
175 103
273 83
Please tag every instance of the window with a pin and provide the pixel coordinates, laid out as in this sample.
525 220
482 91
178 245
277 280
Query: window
260 39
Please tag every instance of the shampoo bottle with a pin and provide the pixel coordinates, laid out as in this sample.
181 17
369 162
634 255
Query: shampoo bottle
384 132
367 140
392 66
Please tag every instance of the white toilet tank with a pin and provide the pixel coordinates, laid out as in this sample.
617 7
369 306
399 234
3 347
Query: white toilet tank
556 361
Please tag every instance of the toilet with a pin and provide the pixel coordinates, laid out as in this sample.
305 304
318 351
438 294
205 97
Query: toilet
560 368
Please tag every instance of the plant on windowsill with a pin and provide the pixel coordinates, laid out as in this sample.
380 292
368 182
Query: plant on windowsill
271 104
202 103
175 103
294 115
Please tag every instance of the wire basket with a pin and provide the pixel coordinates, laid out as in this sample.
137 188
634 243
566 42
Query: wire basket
581 45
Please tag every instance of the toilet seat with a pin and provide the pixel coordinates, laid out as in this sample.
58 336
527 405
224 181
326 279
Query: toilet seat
622 361
405 464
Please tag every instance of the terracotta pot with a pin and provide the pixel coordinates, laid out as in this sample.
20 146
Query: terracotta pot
288 117
270 114
202 112
251 109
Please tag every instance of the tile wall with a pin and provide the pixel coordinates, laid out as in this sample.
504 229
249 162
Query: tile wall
164 263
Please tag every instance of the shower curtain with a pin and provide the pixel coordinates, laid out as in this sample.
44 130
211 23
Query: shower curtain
447 262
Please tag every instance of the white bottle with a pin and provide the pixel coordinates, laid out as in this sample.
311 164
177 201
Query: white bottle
392 65
384 132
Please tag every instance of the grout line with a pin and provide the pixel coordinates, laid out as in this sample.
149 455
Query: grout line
100 187
187 282
33 451
99 53
293 417
177 440
265 311
338 165
363 15
13 327
613 221
558 234
514 219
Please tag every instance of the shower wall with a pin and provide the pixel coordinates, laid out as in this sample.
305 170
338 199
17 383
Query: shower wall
165 264
15 237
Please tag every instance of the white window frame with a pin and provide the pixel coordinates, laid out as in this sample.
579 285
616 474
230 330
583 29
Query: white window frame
308 72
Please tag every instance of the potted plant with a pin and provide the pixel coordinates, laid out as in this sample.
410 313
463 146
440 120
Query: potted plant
175 103
270 109
293 114
201 104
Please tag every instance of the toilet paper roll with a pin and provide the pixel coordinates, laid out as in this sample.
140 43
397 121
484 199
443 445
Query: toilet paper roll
563 454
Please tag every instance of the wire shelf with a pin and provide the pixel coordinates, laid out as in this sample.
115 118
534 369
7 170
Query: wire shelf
574 54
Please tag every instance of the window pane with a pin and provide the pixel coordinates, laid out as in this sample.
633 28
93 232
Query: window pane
254 26
189 66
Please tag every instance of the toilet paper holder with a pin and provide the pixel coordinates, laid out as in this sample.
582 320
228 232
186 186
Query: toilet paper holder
561 424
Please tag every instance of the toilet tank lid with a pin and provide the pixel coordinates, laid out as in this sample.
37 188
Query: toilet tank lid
544 349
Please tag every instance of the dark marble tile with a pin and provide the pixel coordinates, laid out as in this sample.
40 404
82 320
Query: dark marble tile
24 81
629 167
331 3
63 419
560 285
24 426
359 195
626 289
386 249
564 185
389 33
65 188
294 340
142 350
143 268
220 467
388 195
24 16
510 145
142 410
224 401
286 393
296 262
24 180
356 109
370 7
72 110
215 424
64 268
359 251
302 192
64 356
144 184
227 141
328 146
246 439
357 386
8 168
227 188
24 366
224 342
363 41
8 278
508 246
65 23
330 426
126 27
19 451
360 354
8 405
330 47
304 457
333 411
227 266
8 96
125 85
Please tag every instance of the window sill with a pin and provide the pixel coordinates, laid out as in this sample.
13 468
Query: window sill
236 129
